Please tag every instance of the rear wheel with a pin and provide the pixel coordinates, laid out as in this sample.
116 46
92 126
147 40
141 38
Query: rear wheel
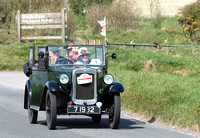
115 111
32 114
51 110
96 118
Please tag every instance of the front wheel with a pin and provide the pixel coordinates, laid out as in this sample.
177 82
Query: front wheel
115 111
51 110
32 114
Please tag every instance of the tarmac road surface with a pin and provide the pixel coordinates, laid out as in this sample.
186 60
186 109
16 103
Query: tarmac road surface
14 119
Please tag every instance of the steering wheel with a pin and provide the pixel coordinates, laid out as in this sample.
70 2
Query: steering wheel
64 61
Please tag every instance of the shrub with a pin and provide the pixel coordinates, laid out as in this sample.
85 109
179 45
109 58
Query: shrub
156 13
121 15
94 14
9 9
192 10
190 20
71 23
79 6
190 27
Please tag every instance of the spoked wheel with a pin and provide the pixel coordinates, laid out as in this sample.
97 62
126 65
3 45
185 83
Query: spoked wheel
96 118
115 111
32 114
51 110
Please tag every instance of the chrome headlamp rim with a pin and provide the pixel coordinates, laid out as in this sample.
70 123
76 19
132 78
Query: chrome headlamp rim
108 79
63 79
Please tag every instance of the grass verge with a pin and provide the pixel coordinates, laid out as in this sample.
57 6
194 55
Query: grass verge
160 84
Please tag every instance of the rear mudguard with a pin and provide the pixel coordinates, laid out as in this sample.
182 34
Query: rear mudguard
27 94
52 86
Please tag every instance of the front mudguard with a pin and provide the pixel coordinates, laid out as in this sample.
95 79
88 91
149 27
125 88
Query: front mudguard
114 87
53 87
56 89
107 96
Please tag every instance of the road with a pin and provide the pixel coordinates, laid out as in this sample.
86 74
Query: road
14 119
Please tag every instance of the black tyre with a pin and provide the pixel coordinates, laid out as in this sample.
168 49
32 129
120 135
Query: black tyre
51 110
96 118
114 115
32 114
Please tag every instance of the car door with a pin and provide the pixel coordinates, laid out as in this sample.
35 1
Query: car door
39 78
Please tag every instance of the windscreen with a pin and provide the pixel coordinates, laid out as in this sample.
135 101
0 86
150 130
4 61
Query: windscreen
76 55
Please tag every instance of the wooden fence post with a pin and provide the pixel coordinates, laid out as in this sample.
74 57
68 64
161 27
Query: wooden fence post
63 25
19 25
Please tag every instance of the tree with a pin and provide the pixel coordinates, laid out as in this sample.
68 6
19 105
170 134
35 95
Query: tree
79 6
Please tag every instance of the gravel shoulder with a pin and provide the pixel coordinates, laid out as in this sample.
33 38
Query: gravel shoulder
156 122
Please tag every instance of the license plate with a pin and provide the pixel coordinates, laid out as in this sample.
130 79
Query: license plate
83 109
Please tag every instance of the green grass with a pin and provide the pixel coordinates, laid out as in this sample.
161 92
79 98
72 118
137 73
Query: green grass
163 84
13 57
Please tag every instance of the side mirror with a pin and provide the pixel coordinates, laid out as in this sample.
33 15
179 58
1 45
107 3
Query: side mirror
113 56
41 54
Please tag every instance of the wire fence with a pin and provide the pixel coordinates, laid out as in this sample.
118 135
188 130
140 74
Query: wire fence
155 45
177 50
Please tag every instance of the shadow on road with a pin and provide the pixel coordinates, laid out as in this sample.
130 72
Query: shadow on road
70 123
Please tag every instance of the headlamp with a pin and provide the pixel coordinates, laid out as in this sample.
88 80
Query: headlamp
108 79
64 79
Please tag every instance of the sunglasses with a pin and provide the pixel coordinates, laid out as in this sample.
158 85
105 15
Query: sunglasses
85 55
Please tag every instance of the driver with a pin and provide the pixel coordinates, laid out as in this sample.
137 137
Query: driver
56 58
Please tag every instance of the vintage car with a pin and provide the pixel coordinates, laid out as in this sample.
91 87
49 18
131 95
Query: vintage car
61 83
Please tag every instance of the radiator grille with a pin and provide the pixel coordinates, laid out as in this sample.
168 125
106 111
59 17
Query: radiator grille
85 91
